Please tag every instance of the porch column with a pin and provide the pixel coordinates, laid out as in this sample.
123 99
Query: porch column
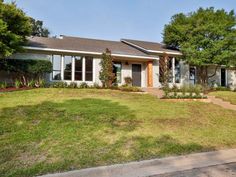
62 67
173 70
73 69
150 73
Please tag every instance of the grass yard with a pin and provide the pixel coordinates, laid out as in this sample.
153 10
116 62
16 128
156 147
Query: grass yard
225 95
52 130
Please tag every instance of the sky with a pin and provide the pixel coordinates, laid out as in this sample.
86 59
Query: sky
113 19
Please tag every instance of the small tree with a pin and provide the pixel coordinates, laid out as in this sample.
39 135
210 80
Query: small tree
164 70
106 74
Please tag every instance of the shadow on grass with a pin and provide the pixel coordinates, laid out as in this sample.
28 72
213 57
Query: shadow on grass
52 137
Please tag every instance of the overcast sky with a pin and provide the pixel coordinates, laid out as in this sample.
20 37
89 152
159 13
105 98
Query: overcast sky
113 19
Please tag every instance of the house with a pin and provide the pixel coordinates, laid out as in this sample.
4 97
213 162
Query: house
77 59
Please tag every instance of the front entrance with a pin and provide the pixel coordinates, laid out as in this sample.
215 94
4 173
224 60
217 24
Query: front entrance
223 77
136 75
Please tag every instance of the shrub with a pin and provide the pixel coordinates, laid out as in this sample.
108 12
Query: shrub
31 83
3 85
18 84
130 89
72 85
128 80
58 84
83 85
26 70
96 85
42 83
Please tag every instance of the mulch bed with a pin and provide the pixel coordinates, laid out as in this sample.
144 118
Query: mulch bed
12 89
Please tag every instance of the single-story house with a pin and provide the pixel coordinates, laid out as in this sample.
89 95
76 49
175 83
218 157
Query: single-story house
77 59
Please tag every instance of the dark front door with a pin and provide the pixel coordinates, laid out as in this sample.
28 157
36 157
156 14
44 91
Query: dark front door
136 75
223 77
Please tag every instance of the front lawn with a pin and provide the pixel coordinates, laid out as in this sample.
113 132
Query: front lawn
225 95
52 130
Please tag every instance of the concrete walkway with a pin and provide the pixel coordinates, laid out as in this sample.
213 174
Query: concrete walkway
156 166
222 103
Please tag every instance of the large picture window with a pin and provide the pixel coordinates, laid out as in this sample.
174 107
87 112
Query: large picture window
88 69
67 67
56 62
78 68
117 71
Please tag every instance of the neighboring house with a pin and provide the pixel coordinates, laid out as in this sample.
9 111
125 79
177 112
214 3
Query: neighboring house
77 60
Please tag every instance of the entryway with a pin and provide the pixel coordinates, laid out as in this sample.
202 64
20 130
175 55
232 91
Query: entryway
136 74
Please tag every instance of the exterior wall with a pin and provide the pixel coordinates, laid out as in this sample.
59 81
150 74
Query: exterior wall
156 82
231 78
127 72
215 80
184 73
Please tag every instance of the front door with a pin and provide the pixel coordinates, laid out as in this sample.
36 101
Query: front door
223 77
136 75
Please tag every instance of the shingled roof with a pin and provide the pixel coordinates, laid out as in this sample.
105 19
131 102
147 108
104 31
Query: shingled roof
84 44
150 47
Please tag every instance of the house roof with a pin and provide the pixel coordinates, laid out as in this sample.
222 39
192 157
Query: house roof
150 47
84 45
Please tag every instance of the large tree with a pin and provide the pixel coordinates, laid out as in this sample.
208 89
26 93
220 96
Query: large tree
205 37
15 26
38 29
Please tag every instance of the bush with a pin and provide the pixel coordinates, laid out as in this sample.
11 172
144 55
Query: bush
72 85
26 70
83 85
128 80
130 89
3 85
18 84
42 83
58 84
96 85
31 83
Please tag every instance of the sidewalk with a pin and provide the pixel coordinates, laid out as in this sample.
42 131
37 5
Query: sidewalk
156 166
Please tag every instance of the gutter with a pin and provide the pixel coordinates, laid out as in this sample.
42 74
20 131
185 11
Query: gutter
151 51
86 52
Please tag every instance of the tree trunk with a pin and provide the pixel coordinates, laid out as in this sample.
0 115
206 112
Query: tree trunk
202 75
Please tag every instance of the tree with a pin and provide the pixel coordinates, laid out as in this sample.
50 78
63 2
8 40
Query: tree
38 29
106 74
205 37
26 70
15 26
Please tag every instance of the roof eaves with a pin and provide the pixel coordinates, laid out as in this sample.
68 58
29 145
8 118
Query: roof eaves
86 52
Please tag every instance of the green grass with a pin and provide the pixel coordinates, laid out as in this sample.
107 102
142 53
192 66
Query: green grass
225 95
53 130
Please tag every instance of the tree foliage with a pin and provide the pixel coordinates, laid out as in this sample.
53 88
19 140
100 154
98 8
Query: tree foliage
205 37
15 26
38 29
26 70
106 74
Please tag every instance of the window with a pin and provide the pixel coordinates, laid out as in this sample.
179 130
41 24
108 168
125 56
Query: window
88 69
56 62
78 68
117 71
170 72
177 71
67 67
